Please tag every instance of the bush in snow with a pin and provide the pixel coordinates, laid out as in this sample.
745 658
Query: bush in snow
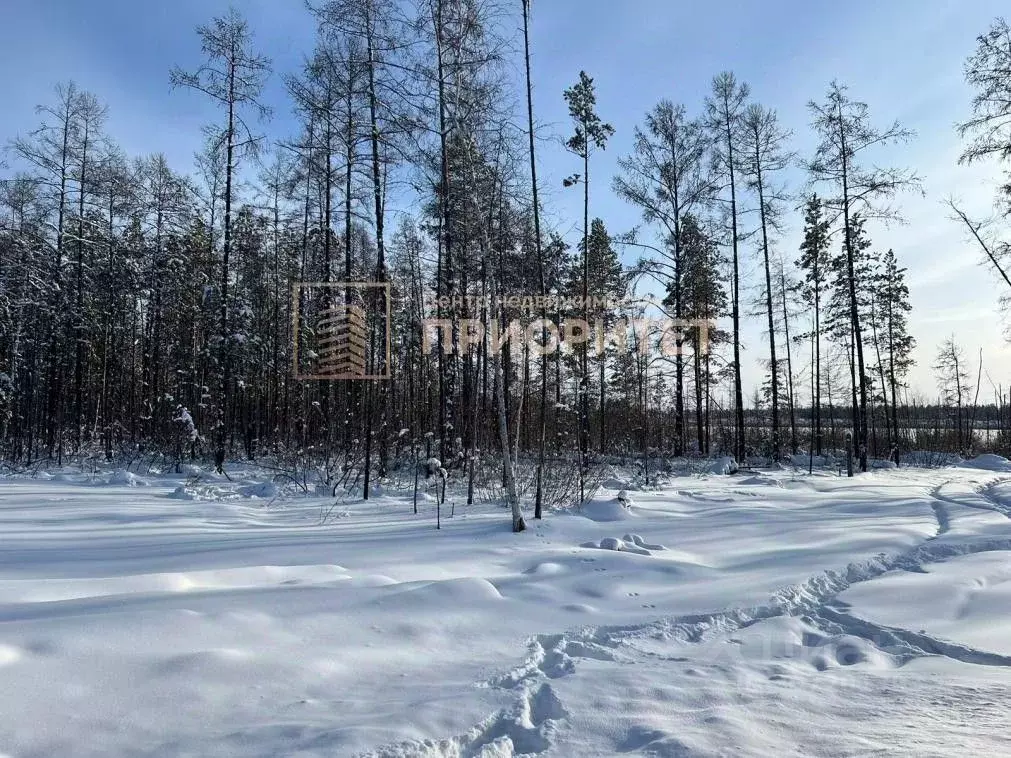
185 420
930 459
723 466
126 478
6 398
185 433
988 462
434 475
433 470
259 489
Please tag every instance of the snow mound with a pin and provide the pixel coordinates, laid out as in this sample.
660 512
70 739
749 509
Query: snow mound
630 543
613 543
259 489
614 483
723 466
462 592
126 478
546 568
758 480
843 650
635 539
202 492
119 477
793 638
606 510
988 462
881 463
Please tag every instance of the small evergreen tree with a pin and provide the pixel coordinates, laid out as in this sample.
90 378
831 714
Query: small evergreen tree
705 299
814 263
590 132
852 263
893 296
606 283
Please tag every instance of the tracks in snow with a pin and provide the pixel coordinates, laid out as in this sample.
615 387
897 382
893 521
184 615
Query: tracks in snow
940 512
987 490
982 498
528 726
903 644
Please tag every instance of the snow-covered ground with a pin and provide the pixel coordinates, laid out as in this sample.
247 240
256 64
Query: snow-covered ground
760 614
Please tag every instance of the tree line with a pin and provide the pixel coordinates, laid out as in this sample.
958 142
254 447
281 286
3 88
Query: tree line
143 308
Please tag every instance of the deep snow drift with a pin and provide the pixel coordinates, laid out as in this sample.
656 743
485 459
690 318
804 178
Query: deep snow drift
759 614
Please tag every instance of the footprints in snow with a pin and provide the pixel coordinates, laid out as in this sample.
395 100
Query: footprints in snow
943 519
552 656
983 498
987 492
524 729
904 644
644 605
528 726
836 639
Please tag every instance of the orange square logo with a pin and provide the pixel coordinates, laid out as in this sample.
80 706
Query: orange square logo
341 330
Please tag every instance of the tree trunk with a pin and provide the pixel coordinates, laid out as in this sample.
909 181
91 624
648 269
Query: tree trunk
380 355
226 359
860 432
773 365
789 363
881 370
736 297
584 378
446 388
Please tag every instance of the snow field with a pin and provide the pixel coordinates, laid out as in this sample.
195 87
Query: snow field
758 614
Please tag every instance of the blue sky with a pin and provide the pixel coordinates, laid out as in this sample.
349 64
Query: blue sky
903 57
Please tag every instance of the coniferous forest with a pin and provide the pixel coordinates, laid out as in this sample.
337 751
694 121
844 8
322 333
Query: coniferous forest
147 310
